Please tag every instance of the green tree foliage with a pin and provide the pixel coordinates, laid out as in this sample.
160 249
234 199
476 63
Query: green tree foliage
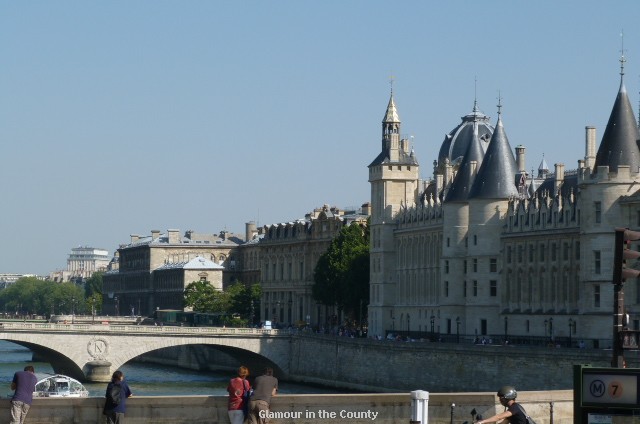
93 285
244 300
31 296
341 276
201 296
239 302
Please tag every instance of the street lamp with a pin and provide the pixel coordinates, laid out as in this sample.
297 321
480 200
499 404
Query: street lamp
115 299
433 320
73 310
506 328
546 322
572 328
457 329
408 325
551 328
93 309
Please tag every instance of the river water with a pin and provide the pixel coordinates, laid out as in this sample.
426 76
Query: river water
143 378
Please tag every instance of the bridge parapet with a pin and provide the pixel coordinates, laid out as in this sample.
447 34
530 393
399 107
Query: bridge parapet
138 329
93 351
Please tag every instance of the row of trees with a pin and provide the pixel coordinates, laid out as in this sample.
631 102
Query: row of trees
32 296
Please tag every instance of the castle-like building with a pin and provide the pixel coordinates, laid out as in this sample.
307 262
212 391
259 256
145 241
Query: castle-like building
487 249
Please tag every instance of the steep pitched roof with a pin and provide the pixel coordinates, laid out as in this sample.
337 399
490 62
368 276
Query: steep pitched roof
495 179
391 115
619 141
459 190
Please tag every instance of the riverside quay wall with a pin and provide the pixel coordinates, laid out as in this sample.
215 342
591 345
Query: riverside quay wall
545 407
390 366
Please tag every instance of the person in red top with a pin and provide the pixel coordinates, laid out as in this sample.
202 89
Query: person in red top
237 388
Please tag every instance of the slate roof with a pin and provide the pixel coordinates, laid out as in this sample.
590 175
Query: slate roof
619 142
457 142
461 186
495 179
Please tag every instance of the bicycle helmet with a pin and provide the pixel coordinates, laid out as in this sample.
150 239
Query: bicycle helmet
507 392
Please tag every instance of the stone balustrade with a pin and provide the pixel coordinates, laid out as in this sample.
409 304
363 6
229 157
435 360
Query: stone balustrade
393 408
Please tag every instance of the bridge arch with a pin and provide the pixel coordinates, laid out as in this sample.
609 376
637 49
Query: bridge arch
93 352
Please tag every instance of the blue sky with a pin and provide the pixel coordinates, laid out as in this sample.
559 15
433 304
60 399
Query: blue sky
119 117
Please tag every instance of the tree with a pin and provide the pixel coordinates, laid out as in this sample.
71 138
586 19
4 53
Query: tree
341 276
243 300
201 296
93 284
30 295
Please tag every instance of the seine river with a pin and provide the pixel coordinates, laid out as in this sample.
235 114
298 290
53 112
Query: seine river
144 379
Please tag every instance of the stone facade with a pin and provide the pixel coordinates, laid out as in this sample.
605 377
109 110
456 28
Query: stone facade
82 263
152 272
288 254
490 250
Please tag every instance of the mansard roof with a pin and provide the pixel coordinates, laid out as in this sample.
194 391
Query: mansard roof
459 190
457 142
619 142
495 179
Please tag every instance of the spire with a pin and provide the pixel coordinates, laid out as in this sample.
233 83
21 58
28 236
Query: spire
496 177
622 58
475 97
618 146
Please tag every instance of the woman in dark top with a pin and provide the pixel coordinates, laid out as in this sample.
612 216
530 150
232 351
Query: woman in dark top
114 409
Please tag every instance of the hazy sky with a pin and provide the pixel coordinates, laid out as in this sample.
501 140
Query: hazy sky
119 117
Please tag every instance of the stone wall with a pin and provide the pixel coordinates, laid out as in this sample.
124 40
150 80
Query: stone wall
311 409
389 366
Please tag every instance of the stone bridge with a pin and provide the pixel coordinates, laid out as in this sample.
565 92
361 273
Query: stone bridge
91 352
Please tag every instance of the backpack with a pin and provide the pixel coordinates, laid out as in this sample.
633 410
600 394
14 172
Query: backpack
529 419
246 396
115 394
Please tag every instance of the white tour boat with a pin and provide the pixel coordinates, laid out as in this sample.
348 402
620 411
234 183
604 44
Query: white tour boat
60 386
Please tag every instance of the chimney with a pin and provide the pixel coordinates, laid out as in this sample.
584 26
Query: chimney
134 238
558 179
520 159
155 234
174 236
590 147
366 209
250 230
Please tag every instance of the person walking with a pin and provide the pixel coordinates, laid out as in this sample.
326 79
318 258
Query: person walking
117 392
514 413
237 388
24 384
264 388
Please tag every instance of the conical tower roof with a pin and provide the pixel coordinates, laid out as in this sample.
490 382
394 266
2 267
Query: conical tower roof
392 113
619 142
496 176
461 186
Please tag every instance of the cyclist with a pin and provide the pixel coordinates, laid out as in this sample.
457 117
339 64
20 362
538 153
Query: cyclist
513 412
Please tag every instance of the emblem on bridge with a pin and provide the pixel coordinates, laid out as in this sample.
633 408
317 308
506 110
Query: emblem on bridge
98 348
